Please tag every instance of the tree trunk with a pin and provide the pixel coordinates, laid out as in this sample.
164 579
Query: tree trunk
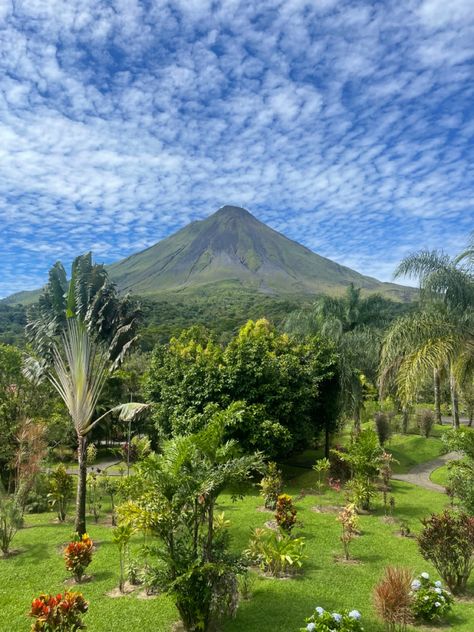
405 420
80 524
437 396
327 442
454 399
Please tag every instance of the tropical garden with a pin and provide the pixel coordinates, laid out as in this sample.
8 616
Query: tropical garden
313 473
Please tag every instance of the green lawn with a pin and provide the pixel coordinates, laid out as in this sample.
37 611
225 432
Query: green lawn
411 450
440 476
276 605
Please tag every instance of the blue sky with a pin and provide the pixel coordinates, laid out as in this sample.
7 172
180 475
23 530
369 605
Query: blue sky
348 126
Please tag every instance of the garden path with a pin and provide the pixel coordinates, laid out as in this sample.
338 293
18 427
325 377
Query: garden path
420 474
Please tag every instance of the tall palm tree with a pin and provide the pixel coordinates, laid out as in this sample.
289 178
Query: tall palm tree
440 333
79 371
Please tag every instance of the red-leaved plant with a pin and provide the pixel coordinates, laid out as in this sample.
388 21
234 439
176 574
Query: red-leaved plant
58 613
285 512
78 555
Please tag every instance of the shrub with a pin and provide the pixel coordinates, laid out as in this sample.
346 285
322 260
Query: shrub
94 489
271 485
276 552
91 454
11 520
430 602
447 541
133 572
285 513
362 490
322 621
349 523
37 499
405 530
322 467
61 613
61 491
383 427
392 598
78 555
425 421
110 487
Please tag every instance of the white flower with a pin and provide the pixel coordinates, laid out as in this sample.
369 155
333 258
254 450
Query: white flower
354 614
310 627
425 598
425 575
438 590
319 610
416 584
336 616
438 584
437 604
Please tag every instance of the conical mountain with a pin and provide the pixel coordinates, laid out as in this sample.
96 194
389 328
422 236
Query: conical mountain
233 248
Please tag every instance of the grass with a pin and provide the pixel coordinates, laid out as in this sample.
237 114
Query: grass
411 450
276 605
440 475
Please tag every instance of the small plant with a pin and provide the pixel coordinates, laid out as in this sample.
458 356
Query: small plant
11 520
91 455
58 613
94 494
322 621
405 530
430 601
121 537
134 573
425 420
383 427
246 581
393 600
447 541
110 487
78 555
349 524
322 467
285 513
271 485
62 489
362 490
276 552
339 470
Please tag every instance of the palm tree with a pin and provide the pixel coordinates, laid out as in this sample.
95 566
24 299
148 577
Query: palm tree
80 331
79 371
440 333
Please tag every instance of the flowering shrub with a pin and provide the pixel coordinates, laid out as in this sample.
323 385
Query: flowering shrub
285 512
78 555
323 621
430 602
61 613
271 485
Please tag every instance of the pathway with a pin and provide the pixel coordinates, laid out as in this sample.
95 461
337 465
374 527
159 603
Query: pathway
420 474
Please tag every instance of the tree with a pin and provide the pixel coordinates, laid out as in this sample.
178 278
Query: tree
79 371
439 333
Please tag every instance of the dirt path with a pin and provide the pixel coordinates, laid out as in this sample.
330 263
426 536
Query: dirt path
420 474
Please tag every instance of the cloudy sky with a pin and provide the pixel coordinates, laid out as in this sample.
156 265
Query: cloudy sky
348 126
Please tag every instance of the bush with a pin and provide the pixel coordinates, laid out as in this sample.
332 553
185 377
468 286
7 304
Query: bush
61 613
392 598
339 469
11 520
447 541
430 601
271 485
383 427
276 552
37 498
322 621
78 555
62 490
322 467
425 420
285 513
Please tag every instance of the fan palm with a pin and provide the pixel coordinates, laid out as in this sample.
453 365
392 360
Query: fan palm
80 367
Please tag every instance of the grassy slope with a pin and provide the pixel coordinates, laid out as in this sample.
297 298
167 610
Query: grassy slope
277 605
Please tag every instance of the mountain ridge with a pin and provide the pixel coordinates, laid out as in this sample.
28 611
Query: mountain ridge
233 247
